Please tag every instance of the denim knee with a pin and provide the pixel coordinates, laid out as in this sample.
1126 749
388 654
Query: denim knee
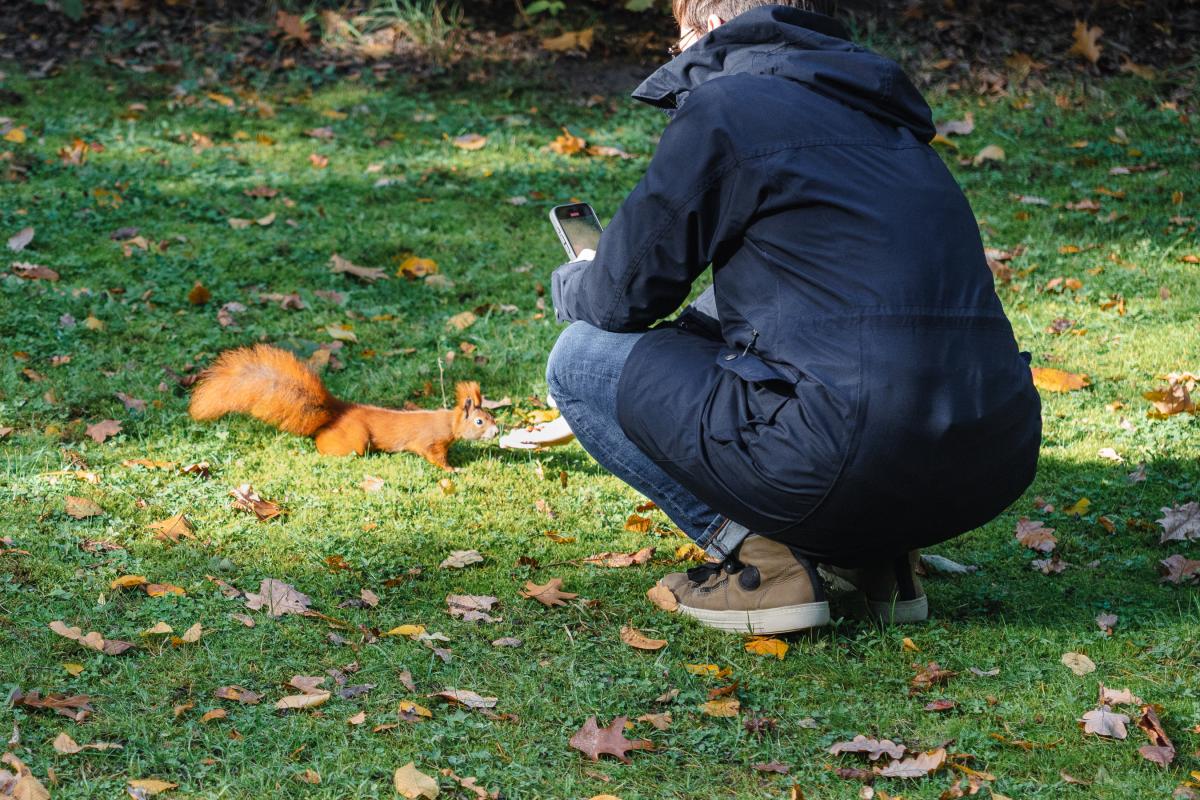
563 353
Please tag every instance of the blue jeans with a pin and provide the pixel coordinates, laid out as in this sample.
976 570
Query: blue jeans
582 372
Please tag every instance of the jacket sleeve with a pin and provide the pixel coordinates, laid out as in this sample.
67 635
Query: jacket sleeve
694 200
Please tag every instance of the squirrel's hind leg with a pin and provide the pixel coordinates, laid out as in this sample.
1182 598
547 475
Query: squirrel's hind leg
345 437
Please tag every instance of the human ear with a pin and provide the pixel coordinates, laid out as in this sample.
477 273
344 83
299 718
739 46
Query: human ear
713 22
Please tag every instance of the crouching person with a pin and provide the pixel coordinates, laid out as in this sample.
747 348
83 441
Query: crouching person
851 389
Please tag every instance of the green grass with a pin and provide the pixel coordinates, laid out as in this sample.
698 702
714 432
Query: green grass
450 205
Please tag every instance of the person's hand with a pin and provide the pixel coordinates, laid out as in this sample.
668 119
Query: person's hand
538 437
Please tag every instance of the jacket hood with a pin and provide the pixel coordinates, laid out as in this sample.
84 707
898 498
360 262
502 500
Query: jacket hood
800 46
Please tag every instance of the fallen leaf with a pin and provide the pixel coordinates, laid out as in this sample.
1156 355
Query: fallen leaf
660 721
568 144
1180 522
1056 380
917 766
548 594
664 598
929 676
639 641
21 239
410 782
594 741
238 694
467 698
1033 534
991 152
92 639
277 598
192 634
458 559
618 560
462 320
216 713
75 707
1178 569
507 641
1103 721
100 431
246 499
470 141
1118 697
128 582
21 783
305 700
152 785
874 748
172 529
1078 663
940 705
570 40
337 264
1160 750
721 707
67 746
471 607
767 646
411 631
1106 622
81 507
158 629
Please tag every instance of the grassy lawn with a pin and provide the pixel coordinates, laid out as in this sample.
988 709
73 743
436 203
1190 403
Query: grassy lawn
178 166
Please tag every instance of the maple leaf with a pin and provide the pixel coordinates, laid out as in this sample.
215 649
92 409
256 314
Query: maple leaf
277 598
1180 522
102 430
639 641
1178 569
1103 721
337 264
874 748
172 529
1056 380
1085 42
917 766
246 499
594 741
549 593
1174 399
1032 534
1160 750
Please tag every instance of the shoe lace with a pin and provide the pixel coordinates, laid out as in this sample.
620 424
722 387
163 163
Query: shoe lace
702 573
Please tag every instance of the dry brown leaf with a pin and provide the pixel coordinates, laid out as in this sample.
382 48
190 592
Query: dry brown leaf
21 239
306 700
549 593
82 507
1180 522
1033 534
246 499
991 152
873 748
660 721
570 40
238 694
277 598
471 607
663 597
594 741
92 639
292 27
721 707
618 560
459 559
153 785
470 141
638 640
216 713
1160 750
467 698
917 766
67 746
1078 663
1103 721
462 320
172 529
75 707
33 272
1178 569
102 430
21 783
933 674
337 264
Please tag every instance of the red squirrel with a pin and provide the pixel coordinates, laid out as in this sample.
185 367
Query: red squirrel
278 388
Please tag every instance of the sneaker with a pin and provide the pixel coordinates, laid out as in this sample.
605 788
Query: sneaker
891 589
766 587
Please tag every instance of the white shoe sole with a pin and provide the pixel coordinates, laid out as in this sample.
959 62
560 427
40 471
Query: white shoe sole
784 619
900 612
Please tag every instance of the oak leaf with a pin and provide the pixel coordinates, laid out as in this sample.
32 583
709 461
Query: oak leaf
873 748
100 431
277 598
594 741
549 593
1033 534
721 707
1078 663
471 607
1085 45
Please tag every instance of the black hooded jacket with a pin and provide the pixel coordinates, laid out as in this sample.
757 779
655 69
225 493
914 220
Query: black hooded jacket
866 394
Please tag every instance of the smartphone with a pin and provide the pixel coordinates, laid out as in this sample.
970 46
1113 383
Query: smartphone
577 226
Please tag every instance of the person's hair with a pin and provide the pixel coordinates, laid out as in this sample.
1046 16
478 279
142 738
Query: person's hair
693 13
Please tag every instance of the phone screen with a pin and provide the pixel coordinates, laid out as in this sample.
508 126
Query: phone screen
579 227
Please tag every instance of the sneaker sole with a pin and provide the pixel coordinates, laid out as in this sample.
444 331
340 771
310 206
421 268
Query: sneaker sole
900 612
784 619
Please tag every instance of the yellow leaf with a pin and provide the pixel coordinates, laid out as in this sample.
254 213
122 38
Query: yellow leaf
412 783
411 709
128 582
568 144
1079 509
570 40
462 320
82 508
221 99
709 669
307 700
690 552
1055 380
765 646
72 669
721 707
163 589
990 153
16 136
192 634
411 631
158 629
413 267
909 645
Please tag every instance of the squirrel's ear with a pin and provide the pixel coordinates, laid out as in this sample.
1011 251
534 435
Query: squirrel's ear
467 395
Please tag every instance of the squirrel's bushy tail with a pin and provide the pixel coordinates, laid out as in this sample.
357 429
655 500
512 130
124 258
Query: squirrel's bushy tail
269 384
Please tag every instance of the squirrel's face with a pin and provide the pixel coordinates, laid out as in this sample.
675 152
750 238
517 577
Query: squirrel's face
480 424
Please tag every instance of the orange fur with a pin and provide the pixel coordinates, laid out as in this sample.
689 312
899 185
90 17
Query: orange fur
276 387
